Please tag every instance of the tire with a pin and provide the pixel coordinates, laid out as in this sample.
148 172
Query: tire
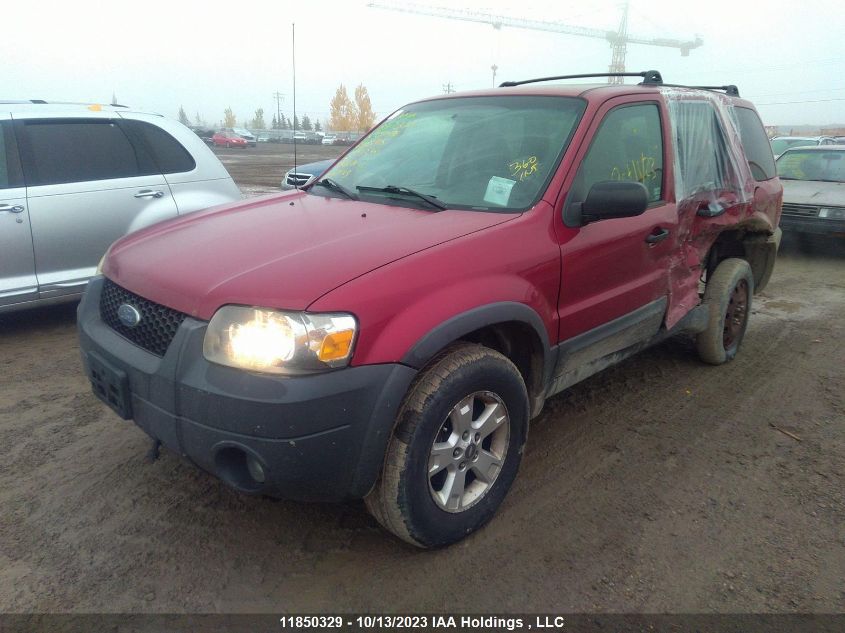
728 296
412 501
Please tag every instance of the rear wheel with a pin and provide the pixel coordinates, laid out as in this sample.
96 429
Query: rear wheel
456 448
728 297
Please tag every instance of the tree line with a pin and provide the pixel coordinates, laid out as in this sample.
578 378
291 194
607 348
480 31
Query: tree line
345 115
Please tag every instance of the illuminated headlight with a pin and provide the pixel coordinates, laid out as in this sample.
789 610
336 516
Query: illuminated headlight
832 213
279 342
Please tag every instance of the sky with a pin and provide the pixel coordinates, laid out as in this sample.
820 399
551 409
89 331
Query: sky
788 58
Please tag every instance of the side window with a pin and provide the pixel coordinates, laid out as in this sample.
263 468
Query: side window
79 150
628 146
10 169
758 150
167 153
703 161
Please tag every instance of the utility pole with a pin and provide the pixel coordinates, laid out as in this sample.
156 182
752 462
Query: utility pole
279 97
448 88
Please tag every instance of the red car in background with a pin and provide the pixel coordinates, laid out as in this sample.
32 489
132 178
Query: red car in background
228 139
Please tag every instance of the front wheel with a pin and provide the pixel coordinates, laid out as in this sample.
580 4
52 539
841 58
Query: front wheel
456 448
728 297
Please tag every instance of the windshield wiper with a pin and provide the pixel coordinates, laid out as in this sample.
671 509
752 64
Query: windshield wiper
328 183
434 202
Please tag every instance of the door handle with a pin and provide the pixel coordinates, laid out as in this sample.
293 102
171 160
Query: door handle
149 193
11 208
658 235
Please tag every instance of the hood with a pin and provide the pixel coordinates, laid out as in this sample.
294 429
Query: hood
813 192
281 251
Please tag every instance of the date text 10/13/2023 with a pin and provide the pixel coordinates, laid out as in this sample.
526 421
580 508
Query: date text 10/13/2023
445 622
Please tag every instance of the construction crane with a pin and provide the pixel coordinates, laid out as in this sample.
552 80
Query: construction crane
618 39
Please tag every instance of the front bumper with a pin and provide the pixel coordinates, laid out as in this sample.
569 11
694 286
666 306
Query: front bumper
319 437
819 226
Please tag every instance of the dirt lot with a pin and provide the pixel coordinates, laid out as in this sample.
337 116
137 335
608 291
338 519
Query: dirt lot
260 169
660 485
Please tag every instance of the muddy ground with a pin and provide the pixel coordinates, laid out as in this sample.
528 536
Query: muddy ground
659 485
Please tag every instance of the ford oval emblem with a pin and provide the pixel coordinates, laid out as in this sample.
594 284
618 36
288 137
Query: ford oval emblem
128 315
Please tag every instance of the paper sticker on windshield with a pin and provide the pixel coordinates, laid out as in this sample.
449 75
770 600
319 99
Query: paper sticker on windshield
499 190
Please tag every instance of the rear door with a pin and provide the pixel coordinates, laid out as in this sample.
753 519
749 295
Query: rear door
88 185
17 262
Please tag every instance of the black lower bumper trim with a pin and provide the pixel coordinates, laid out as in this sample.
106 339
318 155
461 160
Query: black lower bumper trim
318 437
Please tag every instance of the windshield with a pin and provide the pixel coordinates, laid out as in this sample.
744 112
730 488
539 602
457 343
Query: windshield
241 131
488 153
799 164
780 145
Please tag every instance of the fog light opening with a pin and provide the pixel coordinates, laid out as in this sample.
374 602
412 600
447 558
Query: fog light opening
240 469
256 470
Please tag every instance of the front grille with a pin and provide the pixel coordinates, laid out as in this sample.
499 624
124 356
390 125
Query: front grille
298 179
805 210
158 323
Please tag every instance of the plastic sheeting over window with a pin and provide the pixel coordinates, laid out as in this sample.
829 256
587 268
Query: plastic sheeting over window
710 163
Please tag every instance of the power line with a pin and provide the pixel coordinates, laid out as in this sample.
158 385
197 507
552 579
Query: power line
791 102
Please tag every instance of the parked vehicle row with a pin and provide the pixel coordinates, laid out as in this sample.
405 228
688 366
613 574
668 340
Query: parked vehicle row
388 331
781 143
74 178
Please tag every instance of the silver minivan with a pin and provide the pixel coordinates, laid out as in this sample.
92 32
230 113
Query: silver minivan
74 178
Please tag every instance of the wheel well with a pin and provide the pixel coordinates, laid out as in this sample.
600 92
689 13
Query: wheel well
758 248
728 244
522 346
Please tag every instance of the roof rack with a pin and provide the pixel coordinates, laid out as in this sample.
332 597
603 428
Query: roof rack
43 102
730 89
650 77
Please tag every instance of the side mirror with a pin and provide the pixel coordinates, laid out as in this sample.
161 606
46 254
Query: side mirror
614 199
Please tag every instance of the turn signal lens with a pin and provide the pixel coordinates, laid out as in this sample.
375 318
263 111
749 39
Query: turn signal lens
336 346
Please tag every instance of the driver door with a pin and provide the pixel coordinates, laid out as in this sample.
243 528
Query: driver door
614 277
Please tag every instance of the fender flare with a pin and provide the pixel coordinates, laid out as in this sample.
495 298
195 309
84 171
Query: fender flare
462 324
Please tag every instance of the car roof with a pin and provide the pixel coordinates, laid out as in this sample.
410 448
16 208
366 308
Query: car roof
39 105
817 148
589 91
798 138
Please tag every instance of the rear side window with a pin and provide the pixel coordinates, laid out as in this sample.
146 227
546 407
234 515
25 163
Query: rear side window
758 150
64 151
168 154
704 164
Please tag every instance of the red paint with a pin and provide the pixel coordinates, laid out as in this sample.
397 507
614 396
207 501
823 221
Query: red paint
227 139
403 271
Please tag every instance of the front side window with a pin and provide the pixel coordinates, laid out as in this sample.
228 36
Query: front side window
79 151
486 153
4 163
628 146
824 166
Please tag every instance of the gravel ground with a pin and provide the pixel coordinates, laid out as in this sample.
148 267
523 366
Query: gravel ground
659 485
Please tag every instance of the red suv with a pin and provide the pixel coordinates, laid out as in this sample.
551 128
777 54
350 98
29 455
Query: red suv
388 332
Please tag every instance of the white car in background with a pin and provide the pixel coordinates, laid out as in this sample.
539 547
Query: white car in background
782 143
75 177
